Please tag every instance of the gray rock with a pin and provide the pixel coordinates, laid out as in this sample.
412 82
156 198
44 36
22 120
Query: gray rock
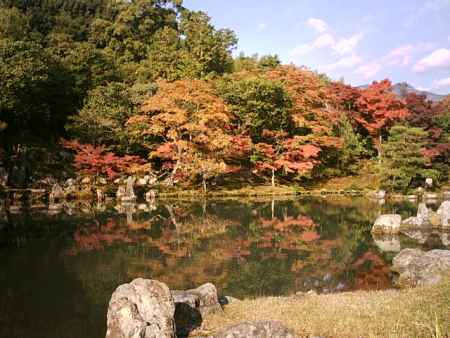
204 298
416 267
256 329
141 309
192 306
444 213
128 192
56 194
422 220
387 224
417 235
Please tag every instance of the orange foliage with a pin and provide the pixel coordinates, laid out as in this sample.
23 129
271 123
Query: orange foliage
378 108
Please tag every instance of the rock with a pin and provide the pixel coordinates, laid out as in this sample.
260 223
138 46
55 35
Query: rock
56 194
86 180
129 195
141 309
100 196
204 298
446 195
422 220
419 236
416 267
387 243
120 192
150 195
143 207
192 306
256 329
387 224
227 300
444 213
445 238
70 189
381 194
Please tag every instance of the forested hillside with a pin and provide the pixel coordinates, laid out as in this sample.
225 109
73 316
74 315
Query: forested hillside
151 87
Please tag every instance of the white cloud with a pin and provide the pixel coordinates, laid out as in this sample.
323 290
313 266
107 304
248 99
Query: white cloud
301 50
400 56
261 27
345 62
442 83
317 24
438 58
323 41
347 45
369 70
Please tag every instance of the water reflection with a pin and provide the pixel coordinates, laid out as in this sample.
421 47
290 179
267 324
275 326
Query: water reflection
67 264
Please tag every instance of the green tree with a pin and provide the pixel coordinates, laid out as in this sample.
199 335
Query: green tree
403 165
102 119
34 92
259 104
354 147
208 47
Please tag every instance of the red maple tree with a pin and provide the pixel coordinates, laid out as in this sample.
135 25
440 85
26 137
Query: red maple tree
95 160
377 109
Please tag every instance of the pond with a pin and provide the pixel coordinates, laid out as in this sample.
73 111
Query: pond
59 268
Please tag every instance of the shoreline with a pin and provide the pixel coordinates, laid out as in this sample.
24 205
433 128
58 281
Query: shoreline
416 312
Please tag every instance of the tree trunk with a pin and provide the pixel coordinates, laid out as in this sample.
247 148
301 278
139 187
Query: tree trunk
204 185
273 207
379 149
273 178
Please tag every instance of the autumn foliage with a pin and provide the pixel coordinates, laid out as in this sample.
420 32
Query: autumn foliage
280 123
95 160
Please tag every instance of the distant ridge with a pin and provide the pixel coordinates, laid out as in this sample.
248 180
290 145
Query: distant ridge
402 89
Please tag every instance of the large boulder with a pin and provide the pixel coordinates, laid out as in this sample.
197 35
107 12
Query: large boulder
387 224
256 329
192 306
204 298
444 213
416 267
141 309
422 219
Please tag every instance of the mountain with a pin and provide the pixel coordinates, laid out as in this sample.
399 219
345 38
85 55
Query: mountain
402 89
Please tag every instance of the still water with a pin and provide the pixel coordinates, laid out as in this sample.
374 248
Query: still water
58 269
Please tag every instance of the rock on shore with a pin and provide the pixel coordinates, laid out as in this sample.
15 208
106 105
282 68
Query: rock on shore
148 309
141 309
416 268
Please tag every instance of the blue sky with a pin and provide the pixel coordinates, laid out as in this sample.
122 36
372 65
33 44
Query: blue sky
359 41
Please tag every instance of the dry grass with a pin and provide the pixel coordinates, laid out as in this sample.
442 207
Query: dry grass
420 312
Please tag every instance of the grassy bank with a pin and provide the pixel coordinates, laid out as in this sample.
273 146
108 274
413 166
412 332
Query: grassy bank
419 312
259 191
